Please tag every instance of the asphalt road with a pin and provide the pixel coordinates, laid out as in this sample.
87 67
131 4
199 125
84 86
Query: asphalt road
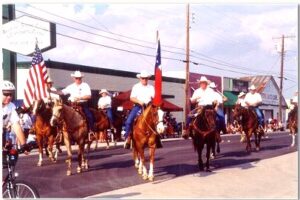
113 169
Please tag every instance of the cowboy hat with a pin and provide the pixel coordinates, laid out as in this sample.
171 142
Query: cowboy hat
212 85
202 79
103 91
77 74
252 87
143 74
49 80
241 94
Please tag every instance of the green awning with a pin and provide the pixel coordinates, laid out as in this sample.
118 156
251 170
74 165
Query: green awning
231 98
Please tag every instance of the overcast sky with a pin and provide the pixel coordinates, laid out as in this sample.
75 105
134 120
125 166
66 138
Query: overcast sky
230 40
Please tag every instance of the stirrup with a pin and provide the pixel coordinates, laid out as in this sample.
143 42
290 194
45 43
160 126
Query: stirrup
93 135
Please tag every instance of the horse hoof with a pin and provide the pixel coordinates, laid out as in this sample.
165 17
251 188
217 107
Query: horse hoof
151 178
257 148
79 169
145 177
140 172
69 173
39 164
136 166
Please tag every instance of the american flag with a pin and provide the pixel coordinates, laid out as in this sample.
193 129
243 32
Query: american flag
158 76
35 88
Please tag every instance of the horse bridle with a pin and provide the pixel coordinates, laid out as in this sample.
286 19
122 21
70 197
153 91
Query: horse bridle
149 126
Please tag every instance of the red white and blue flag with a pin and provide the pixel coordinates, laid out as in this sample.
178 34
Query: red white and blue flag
35 88
158 76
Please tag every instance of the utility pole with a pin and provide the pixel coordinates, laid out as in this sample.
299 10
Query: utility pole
282 54
187 69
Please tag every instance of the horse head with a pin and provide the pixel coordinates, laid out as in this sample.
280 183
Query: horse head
153 115
237 112
56 112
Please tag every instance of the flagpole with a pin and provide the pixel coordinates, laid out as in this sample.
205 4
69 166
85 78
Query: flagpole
187 70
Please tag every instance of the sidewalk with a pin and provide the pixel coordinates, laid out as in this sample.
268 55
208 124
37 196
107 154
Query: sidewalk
270 178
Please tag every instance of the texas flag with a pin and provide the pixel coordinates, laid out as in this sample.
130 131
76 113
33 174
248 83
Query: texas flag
158 76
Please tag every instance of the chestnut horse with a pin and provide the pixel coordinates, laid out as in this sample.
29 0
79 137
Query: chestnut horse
74 128
145 130
204 132
249 122
44 131
292 123
101 125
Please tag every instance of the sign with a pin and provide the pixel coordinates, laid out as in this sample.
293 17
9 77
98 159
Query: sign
270 94
21 35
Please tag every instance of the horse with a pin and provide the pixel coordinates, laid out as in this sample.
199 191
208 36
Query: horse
101 125
145 133
249 122
292 123
203 131
45 132
74 128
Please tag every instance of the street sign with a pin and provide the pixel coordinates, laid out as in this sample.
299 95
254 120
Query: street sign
21 35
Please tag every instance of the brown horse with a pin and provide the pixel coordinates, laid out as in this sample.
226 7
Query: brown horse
44 131
101 125
204 132
145 130
249 122
74 128
292 123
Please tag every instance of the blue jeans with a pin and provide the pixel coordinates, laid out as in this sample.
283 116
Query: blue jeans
132 115
110 115
260 116
221 120
89 115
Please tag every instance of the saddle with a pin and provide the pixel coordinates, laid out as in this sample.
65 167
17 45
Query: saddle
78 108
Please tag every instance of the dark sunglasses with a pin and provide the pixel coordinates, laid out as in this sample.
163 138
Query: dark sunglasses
77 78
7 94
143 78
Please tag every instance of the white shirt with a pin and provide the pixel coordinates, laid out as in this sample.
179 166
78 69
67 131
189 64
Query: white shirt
295 99
241 101
25 121
218 97
142 93
206 97
77 91
104 102
253 99
11 114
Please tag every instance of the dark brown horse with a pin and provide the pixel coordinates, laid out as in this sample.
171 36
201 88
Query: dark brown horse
145 130
101 125
204 132
74 128
292 123
249 122
45 133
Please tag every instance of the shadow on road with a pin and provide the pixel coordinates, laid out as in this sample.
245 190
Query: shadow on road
118 196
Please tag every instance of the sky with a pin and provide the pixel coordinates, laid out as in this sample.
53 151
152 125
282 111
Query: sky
230 40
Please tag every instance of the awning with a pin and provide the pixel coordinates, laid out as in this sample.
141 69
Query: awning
231 98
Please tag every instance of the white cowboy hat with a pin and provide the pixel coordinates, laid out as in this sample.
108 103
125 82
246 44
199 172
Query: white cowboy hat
202 79
49 80
241 94
252 87
212 85
143 74
77 74
103 91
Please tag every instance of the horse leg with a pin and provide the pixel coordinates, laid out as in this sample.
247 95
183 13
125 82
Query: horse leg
199 150
97 138
208 147
293 138
151 165
106 139
248 137
40 143
69 152
81 160
145 174
50 147
136 158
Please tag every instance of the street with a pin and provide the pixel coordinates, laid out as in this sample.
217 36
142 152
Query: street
113 169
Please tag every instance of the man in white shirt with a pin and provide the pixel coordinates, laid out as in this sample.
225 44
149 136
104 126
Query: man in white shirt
253 99
10 117
141 94
241 99
104 103
80 93
203 96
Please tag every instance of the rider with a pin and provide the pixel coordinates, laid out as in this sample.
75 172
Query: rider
253 99
104 103
80 93
220 113
51 96
141 94
204 96
241 99
10 117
